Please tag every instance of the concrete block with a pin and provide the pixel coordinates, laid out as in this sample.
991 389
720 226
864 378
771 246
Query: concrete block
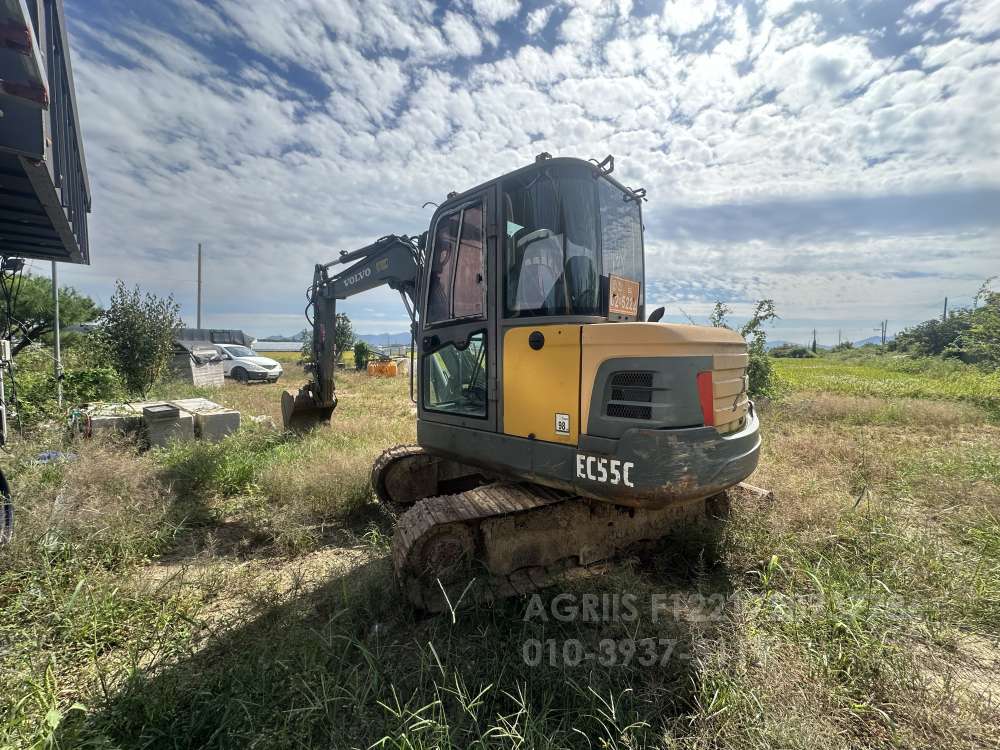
208 374
212 421
166 423
111 422
160 412
163 421
113 417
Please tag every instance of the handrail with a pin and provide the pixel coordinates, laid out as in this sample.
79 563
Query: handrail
67 166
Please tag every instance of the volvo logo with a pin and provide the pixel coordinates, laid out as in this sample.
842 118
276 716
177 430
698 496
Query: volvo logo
355 278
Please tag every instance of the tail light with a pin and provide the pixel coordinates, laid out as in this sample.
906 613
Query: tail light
706 397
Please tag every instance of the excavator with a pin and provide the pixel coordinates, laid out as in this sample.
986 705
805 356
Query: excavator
557 426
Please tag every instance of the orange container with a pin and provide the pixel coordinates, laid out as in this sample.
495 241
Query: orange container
383 369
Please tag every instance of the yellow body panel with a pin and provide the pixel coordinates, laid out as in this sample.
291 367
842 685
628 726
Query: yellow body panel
729 386
539 385
604 341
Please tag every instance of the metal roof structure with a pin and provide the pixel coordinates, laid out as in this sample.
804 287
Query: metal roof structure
44 188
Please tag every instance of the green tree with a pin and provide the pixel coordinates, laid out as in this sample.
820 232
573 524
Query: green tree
343 339
935 336
719 314
136 334
760 371
362 352
33 310
971 334
981 341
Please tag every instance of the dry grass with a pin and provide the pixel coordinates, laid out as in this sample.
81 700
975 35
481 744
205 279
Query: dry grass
240 595
813 406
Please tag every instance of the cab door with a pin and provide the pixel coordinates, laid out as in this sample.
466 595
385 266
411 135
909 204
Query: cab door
458 342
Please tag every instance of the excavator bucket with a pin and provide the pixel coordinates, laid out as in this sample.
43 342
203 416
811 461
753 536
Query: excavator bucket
301 411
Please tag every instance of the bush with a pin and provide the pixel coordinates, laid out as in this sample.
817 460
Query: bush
935 337
970 334
760 371
843 346
137 336
981 341
792 352
83 381
362 353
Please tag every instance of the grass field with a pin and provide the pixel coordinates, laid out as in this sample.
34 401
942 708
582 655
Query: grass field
240 595
894 376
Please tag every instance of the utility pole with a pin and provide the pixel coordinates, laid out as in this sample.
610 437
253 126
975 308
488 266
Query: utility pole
944 315
55 329
199 286
840 336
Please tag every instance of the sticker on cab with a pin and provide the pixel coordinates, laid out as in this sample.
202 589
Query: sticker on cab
562 424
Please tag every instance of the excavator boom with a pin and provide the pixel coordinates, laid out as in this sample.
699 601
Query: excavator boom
393 261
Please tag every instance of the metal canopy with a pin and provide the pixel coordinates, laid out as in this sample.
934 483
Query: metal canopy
44 189
24 75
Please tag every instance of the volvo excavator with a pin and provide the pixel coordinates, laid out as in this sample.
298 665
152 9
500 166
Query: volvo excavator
556 426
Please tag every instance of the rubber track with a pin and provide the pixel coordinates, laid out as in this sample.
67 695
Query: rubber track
471 508
499 500
381 465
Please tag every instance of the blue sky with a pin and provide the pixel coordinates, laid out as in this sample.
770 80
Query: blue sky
842 158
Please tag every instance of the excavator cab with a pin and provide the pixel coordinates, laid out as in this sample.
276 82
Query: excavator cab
514 268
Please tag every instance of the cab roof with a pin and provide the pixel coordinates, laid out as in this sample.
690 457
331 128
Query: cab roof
539 164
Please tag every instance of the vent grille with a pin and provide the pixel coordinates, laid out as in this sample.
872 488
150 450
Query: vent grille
642 379
632 394
630 411
629 391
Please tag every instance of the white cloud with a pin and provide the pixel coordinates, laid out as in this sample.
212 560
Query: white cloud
494 11
685 16
324 125
978 18
462 35
960 52
538 19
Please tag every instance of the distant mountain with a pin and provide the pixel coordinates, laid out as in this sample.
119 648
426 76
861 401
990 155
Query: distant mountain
384 339
873 340
298 337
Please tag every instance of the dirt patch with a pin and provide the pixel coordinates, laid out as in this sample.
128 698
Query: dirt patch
965 671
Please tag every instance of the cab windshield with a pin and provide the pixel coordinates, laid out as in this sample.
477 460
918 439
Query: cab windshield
566 231
240 351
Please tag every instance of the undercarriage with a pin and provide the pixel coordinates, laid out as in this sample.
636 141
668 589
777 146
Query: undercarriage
495 538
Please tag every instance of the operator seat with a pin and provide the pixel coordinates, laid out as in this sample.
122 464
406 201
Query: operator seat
581 285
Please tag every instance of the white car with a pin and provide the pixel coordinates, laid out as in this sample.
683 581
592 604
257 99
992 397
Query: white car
244 364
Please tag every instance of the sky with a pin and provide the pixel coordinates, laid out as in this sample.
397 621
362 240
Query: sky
842 158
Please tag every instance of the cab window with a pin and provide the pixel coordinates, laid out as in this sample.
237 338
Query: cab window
468 291
456 285
621 234
552 264
454 378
